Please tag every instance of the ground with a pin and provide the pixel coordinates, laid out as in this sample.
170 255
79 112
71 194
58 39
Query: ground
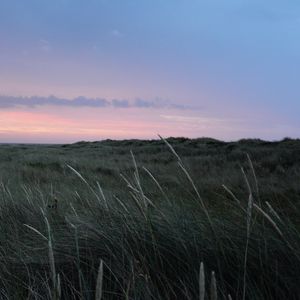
151 212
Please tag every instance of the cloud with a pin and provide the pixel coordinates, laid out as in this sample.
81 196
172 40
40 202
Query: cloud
159 103
33 101
44 45
116 33
36 101
147 104
120 103
191 119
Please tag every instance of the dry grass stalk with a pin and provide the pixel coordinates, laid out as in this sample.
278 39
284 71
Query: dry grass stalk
198 195
231 194
249 214
201 282
255 178
272 210
249 217
246 180
51 254
36 231
145 200
158 185
58 288
88 185
181 165
121 203
271 221
102 195
213 287
274 225
99 285
54 277
171 148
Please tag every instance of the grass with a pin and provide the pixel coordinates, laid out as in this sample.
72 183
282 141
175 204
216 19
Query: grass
162 219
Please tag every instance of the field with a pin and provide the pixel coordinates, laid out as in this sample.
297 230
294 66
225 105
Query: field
136 219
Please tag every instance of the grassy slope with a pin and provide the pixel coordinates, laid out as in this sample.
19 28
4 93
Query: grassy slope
151 238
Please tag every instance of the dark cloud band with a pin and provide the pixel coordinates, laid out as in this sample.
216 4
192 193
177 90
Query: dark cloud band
36 101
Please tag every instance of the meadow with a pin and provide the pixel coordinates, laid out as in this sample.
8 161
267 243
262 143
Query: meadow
161 219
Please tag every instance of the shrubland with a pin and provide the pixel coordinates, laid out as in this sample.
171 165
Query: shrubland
162 219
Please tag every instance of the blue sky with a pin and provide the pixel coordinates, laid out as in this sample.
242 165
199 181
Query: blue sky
237 62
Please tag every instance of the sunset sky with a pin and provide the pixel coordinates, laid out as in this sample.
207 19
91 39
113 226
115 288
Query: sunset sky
94 69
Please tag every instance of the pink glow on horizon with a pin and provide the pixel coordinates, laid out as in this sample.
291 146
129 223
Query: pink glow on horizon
70 125
51 124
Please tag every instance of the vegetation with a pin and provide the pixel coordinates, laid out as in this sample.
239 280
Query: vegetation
163 219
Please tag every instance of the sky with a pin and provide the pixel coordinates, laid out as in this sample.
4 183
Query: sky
89 70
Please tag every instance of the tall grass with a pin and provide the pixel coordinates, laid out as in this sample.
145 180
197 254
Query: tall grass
145 238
